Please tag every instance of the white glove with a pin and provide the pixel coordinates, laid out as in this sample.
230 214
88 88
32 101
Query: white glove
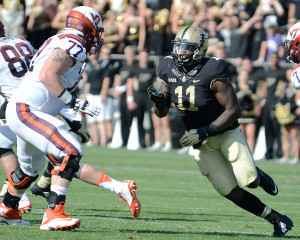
87 107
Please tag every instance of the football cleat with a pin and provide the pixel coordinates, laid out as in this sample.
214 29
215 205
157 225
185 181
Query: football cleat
129 195
11 216
24 204
282 226
267 183
57 219
38 191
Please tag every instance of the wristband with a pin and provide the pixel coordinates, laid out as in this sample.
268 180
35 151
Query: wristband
65 96
130 99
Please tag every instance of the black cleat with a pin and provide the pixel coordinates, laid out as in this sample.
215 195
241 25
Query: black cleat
38 191
282 226
267 183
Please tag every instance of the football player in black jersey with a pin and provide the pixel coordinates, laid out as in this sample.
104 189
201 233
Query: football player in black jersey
201 90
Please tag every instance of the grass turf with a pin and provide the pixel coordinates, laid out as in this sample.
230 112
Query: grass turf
177 202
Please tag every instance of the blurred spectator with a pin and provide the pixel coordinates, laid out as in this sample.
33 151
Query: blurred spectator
142 76
273 90
162 131
59 20
290 132
157 27
294 9
253 29
39 23
247 99
215 39
133 27
12 16
183 14
112 37
270 7
274 43
120 90
99 74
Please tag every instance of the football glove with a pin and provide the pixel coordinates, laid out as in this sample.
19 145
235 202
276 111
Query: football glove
75 127
86 107
79 104
155 97
196 137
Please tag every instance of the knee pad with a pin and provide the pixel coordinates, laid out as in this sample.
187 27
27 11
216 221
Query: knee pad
68 166
4 152
20 180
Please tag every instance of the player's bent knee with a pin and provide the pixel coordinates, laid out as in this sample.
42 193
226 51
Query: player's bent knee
20 180
68 166
4 152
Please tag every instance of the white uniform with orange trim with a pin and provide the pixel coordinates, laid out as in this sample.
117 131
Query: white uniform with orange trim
15 57
32 110
295 77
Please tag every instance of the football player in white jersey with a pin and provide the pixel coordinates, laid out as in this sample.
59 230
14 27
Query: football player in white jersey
12 78
15 56
292 49
32 110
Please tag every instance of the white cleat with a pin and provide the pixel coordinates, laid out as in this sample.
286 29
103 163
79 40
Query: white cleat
25 204
129 195
57 219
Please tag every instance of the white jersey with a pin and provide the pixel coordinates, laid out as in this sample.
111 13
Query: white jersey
15 57
295 77
33 92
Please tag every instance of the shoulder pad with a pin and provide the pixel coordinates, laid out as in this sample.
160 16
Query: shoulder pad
74 45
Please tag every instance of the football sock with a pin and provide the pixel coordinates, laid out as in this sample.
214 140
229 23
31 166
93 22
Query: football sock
110 184
57 195
252 204
11 199
4 187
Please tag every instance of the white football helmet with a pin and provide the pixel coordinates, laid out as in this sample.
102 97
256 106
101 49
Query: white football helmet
189 46
292 43
87 23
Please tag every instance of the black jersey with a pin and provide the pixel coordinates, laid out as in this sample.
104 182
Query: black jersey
191 93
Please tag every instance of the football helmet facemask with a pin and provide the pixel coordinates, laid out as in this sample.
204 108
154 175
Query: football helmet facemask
88 24
189 46
292 43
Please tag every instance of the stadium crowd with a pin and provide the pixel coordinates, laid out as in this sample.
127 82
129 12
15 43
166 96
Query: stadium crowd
249 34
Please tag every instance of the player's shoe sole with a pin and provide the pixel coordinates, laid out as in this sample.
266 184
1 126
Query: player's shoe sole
267 183
38 191
25 204
129 195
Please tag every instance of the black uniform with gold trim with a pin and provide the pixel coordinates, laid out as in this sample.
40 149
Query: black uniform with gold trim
201 90
191 92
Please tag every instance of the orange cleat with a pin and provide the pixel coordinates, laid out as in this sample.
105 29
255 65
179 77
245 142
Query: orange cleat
57 219
129 195
11 216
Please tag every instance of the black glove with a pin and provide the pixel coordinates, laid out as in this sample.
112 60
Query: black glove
196 137
156 98
75 127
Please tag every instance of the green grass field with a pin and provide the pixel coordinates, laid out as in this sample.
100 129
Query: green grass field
177 202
